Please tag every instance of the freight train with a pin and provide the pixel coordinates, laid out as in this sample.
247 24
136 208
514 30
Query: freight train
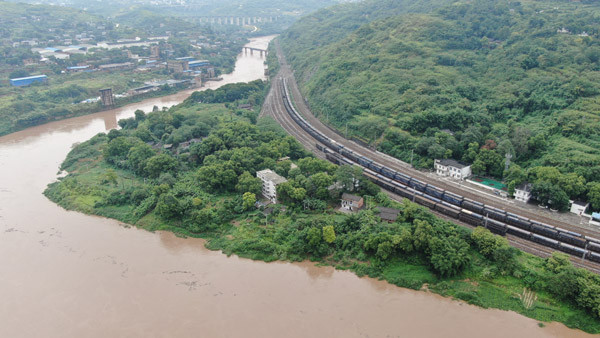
448 203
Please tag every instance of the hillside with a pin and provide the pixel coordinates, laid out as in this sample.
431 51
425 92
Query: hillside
20 21
470 81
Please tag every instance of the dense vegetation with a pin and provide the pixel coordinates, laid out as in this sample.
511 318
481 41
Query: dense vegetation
191 169
471 81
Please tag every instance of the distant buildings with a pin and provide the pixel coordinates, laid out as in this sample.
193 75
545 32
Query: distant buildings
270 180
178 66
452 168
352 202
116 66
523 192
26 81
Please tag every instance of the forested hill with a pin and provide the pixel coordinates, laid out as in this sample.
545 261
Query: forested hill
468 80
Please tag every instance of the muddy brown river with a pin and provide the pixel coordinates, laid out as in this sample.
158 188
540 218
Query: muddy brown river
65 274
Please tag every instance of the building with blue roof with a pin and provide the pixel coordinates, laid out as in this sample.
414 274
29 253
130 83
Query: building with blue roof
26 81
199 63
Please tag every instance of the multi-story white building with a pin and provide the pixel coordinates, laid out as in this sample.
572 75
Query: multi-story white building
523 192
452 168
270 180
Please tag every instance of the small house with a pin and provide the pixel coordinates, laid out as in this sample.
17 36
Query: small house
352 202
523 192
389 215
452 168
595 220
578 207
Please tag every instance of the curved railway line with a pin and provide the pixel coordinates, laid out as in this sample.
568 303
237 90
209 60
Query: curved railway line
275 105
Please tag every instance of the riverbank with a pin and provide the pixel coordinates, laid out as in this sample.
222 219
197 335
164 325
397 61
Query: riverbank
199 200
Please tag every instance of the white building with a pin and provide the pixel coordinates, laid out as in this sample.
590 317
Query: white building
270 180
578 207
352 202
523 192
452 168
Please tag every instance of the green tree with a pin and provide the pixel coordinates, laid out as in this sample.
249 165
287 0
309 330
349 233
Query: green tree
449 255
168 206
348 176
488 162
550 195
249 200
158 164
594 194
328 234
248 183
137 156
110 176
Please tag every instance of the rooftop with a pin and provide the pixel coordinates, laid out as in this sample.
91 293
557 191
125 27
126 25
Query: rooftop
349 197
271 176
452 163
29 77
525 186
581 203
388 214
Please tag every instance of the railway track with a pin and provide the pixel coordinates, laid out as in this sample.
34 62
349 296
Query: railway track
400 166
274 106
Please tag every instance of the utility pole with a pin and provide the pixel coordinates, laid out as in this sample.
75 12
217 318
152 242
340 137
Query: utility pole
507 160
411 157
346 129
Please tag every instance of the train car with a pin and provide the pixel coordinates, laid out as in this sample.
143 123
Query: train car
567 237
333 158
432 198
593 256
494 213
434 191
421 199
472 205
453 198
518 232
364 161
573 250
448 209
416 184
403 190
470 217
405 179
349 154
518 221
544 230
384 183
387 172
496 227
374 166
551 243
592 245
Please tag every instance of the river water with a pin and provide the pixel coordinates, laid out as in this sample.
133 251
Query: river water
65 274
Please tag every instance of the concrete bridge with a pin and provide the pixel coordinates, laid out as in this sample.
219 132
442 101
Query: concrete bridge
253 49
235 20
